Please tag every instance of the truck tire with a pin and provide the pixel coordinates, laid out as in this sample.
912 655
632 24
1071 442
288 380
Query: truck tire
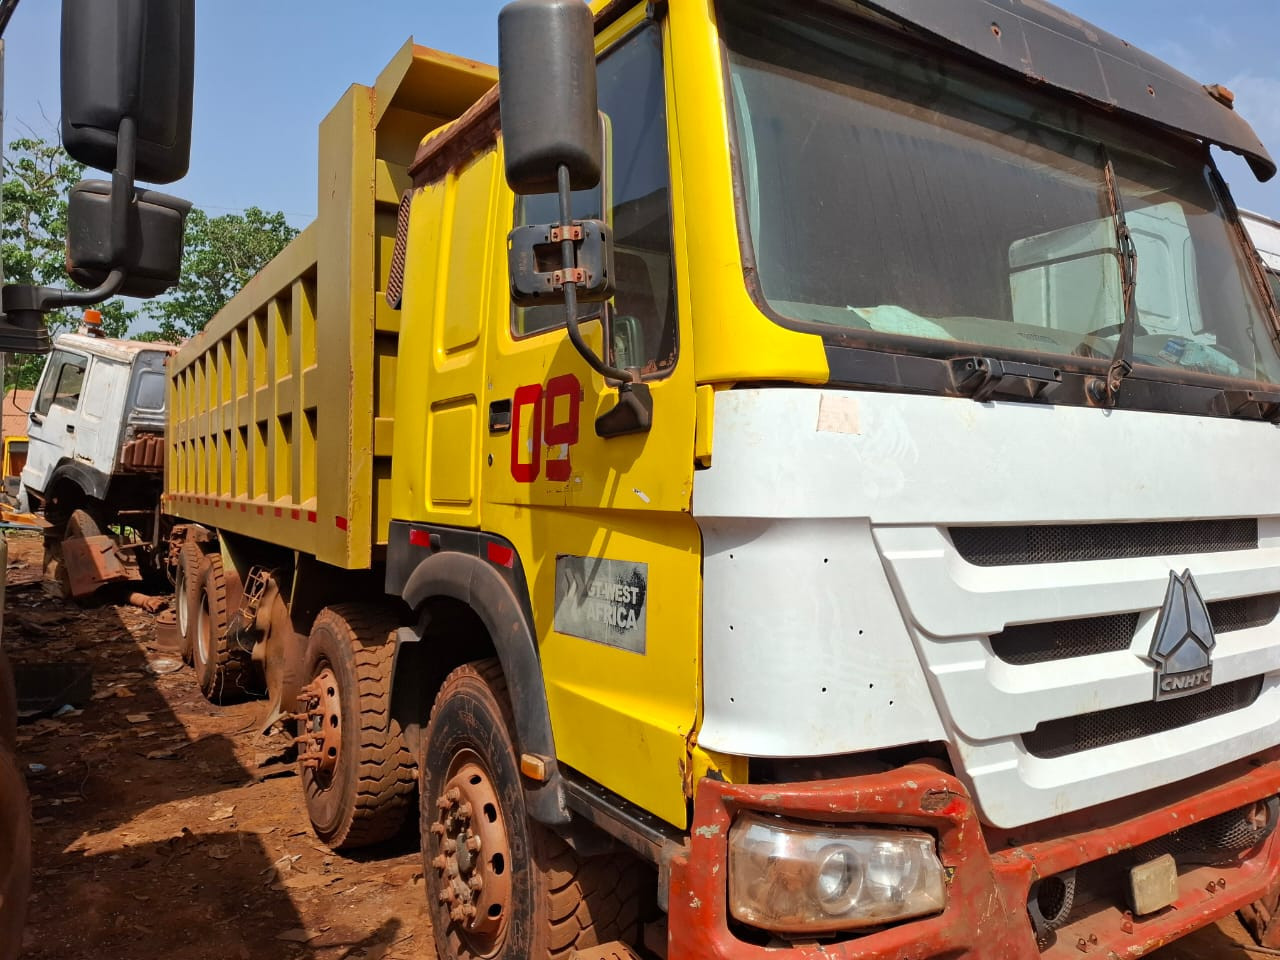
520 891
186 595
15 855
357 773
218 670
8 706
80 523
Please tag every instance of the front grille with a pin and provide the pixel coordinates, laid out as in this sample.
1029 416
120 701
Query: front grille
1061 738
1243 613
1030 643
1015 546
1064 639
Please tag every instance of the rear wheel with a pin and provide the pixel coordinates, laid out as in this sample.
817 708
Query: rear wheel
218 670
357 772
15 854
500 885
186 595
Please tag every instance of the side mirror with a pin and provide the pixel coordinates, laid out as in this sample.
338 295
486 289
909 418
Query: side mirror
547 87
152 258
129 60
552 143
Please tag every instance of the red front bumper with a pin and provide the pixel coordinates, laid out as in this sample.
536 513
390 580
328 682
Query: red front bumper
986 914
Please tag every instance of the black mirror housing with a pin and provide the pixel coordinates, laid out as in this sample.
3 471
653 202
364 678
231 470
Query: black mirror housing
129 58
152 260
547 93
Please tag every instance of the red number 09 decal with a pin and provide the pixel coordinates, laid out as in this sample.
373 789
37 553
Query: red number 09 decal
547 430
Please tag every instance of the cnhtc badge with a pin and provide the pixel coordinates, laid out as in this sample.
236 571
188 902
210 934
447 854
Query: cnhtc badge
1183 644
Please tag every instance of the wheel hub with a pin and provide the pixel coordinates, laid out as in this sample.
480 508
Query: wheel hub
319 739
473 857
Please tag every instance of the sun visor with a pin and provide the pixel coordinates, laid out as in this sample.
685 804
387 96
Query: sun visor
1051 46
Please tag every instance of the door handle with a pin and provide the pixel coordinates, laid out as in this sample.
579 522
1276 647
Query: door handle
500 417
71 428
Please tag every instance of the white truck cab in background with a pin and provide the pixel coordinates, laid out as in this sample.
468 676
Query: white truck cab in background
1265 234
96 429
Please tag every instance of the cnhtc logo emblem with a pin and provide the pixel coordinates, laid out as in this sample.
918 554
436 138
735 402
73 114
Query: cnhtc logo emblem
1183 644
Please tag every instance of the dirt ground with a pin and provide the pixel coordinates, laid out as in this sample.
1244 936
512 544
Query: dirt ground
168 827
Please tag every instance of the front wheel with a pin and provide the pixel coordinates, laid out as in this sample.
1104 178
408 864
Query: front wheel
499 885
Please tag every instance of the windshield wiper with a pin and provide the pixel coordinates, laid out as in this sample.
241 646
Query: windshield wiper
1127 254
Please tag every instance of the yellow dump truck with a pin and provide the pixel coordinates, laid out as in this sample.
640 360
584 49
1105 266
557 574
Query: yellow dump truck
758 478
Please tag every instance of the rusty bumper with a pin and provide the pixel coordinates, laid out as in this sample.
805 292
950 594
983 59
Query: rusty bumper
986 915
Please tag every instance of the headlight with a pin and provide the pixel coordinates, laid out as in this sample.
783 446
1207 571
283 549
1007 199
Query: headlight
795 879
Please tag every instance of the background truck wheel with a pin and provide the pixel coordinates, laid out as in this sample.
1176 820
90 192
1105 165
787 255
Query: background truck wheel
15 854
186 595
218 671
498 884
81 523
357 774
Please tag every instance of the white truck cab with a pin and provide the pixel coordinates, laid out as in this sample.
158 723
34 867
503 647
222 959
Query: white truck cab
96 429
1265 233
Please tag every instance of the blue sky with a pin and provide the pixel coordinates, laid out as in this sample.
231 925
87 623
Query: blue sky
269 70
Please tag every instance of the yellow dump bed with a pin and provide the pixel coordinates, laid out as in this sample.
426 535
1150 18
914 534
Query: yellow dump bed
281 412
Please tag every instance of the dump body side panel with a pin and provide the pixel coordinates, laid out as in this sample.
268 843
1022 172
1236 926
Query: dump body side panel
282 410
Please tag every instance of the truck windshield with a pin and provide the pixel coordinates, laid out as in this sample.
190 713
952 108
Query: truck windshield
909 201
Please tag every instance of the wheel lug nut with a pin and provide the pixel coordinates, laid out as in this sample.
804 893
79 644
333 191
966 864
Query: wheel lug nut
476 883
473 844
438 829
447 895
464 811
457 915
439 862
469 911
450 846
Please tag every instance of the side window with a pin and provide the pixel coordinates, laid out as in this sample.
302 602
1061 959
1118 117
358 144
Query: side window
63 379
638 187
70 381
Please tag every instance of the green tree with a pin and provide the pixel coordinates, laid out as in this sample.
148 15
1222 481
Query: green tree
222 255
38 177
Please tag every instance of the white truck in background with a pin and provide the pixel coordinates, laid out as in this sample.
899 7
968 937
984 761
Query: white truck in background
95 459
1265 233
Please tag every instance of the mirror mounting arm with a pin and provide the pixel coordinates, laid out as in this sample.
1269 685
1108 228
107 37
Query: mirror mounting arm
26 304
612 375
633 412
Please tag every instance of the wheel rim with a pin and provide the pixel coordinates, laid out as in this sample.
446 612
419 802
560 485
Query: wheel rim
473 855
320 736
203 629
180 595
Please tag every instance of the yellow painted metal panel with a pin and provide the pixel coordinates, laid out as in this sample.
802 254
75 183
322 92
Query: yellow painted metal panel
452 457
283 422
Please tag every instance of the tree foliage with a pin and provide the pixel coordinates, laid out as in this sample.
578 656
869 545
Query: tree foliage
222 255
38 176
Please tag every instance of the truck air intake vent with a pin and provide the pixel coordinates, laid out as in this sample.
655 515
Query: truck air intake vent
1030 643
1064 639
1061 738
1013 546
1244 613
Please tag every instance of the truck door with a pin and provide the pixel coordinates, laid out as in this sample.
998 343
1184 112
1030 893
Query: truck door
53 420
602 526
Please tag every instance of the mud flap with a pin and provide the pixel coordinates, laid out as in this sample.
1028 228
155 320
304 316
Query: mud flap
91 562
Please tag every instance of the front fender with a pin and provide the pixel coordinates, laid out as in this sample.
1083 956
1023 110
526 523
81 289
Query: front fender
472 581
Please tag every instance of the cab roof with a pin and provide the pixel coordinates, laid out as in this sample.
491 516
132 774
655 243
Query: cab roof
1048 45
122 350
